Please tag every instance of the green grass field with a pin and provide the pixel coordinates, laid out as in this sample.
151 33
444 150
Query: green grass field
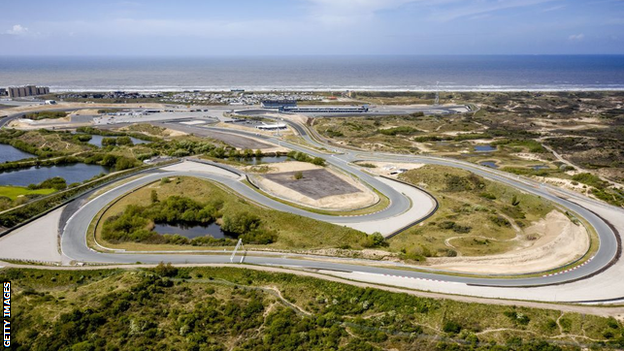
294 232
13 192
476 216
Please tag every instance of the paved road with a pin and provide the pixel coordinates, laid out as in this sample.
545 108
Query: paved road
73 242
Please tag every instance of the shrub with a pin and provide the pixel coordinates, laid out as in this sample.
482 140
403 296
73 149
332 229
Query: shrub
375 240
403 130
451 327
500 221
57 183
109 142
166 270
318 161
124 140
240 223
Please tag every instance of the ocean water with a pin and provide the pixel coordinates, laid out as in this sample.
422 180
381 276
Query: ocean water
263 73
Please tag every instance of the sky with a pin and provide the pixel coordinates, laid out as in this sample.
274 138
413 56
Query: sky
311 27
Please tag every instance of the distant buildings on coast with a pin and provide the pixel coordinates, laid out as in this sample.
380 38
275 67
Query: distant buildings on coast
29 90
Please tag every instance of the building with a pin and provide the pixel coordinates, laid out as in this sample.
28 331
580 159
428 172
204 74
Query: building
3 92
276 126
326 109
29 90
278 104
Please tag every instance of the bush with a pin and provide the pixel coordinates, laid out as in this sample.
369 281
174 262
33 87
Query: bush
240 223
124 140
166 270
451 327
462 229
83 138
589 179
488 196
500 221
403 130
298 175
109 142
57 183
375 240
318 161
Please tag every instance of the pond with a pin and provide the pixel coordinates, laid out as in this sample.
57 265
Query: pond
212 229
9 153
73 173
538 167
97 140
484 148
489 164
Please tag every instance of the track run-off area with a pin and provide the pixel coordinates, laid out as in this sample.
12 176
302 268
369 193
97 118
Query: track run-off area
595 280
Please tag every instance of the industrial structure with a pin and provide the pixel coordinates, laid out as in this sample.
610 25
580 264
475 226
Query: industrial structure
278 104
344 109
29 90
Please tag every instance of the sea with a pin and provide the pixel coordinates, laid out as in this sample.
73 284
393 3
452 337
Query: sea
317 73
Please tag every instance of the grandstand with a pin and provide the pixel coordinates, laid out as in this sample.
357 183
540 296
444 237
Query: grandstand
278 104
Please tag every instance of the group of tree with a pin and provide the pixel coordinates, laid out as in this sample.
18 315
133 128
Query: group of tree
121 141
303 157
45 115
56 183
133 224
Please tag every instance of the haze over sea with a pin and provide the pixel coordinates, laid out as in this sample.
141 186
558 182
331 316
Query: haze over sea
261 73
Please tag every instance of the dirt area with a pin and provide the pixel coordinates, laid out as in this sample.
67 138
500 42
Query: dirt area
316 183
29 124
559 241
319 188
385 168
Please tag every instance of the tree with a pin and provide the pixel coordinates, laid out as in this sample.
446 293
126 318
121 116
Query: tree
240 223
154 196
124 140
318 161
166 270
109 142
375 240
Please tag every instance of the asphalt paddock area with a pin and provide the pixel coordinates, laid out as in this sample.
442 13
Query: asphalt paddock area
230 139
315 184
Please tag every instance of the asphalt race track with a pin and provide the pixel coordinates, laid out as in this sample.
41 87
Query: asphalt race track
73 240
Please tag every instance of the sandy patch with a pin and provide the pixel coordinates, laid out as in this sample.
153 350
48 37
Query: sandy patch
529 157
481 141
559 242
423 147
29 124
